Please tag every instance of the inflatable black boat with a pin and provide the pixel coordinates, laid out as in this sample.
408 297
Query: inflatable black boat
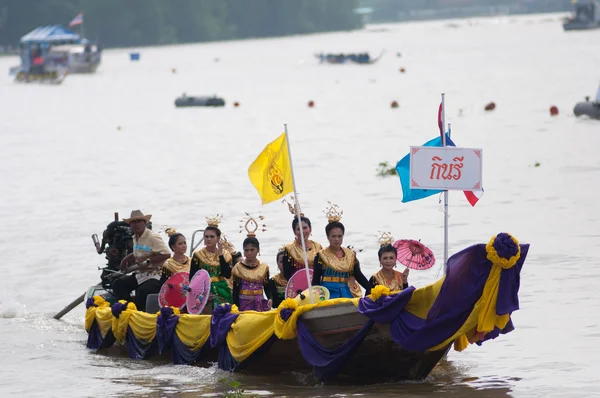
185 101
588 108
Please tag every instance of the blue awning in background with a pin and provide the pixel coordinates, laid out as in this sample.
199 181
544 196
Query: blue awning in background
50 34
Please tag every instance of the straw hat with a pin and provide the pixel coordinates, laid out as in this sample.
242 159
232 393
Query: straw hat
137 215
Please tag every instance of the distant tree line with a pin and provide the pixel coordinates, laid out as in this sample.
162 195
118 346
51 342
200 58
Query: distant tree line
392 10
122 23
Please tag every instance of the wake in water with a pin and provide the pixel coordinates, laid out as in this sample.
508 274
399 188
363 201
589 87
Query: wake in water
11 308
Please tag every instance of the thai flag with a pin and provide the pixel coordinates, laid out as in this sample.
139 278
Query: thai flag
78 20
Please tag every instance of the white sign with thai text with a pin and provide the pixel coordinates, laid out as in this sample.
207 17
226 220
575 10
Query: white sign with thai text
445 168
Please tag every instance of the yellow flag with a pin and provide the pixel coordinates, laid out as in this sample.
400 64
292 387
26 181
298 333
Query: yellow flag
271 172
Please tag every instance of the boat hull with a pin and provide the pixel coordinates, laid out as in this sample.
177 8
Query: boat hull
580 25
591 109
378 359
43 78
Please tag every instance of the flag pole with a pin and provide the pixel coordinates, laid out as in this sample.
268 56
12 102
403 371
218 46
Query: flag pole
297 207
445 265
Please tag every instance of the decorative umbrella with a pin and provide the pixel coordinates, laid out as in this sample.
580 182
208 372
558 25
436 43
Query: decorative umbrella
198 292
298 283
414 254
173 291
320 293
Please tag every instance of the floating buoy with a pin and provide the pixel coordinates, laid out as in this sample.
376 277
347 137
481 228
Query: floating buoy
173 70
118 128
553 111
394 104
402 70
491 106
236 104
537 164
311 103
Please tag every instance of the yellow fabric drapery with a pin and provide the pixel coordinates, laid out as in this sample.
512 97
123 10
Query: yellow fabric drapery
101 313
249 332
193 330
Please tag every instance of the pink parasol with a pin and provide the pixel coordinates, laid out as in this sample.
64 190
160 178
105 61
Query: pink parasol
298 283
173 291
414 254
198 292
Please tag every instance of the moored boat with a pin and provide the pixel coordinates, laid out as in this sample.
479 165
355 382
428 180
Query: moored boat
359 58
49 53
587 108
585 16
185 101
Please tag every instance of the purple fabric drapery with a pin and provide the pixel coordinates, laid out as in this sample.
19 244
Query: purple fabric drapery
138 350
468 271
327 363
94 340
183 355
166 322
220 323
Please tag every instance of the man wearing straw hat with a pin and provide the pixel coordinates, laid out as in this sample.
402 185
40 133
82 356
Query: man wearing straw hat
149 254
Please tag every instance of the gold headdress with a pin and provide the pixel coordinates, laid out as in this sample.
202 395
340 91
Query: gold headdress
215 220
292 208
385 238
227 245
333 212
170 231
251 225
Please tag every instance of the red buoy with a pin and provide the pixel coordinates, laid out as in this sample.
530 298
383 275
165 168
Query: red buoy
236 104
394 104
311 103
491 106
402 70
553 111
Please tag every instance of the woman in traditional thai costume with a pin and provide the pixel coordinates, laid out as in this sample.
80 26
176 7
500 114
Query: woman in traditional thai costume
337 267
387 276
250 276
179 262
293 257
216 261
276 287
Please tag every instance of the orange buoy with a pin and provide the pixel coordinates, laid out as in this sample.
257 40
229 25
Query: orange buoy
553 111
402 70
311 103
394 104
236 104
491 106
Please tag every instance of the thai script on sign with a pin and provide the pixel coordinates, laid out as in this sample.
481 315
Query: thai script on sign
446 171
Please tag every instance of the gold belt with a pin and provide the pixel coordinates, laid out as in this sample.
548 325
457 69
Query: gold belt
334 279
251 292
216 279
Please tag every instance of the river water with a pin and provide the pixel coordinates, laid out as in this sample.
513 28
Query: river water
73 154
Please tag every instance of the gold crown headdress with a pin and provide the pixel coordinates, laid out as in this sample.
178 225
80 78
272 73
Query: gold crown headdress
333 212
215 220
170 231
227 245
292 208
251 225
385 238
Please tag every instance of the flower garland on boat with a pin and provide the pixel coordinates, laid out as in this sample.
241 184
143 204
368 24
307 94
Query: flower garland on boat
503 250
